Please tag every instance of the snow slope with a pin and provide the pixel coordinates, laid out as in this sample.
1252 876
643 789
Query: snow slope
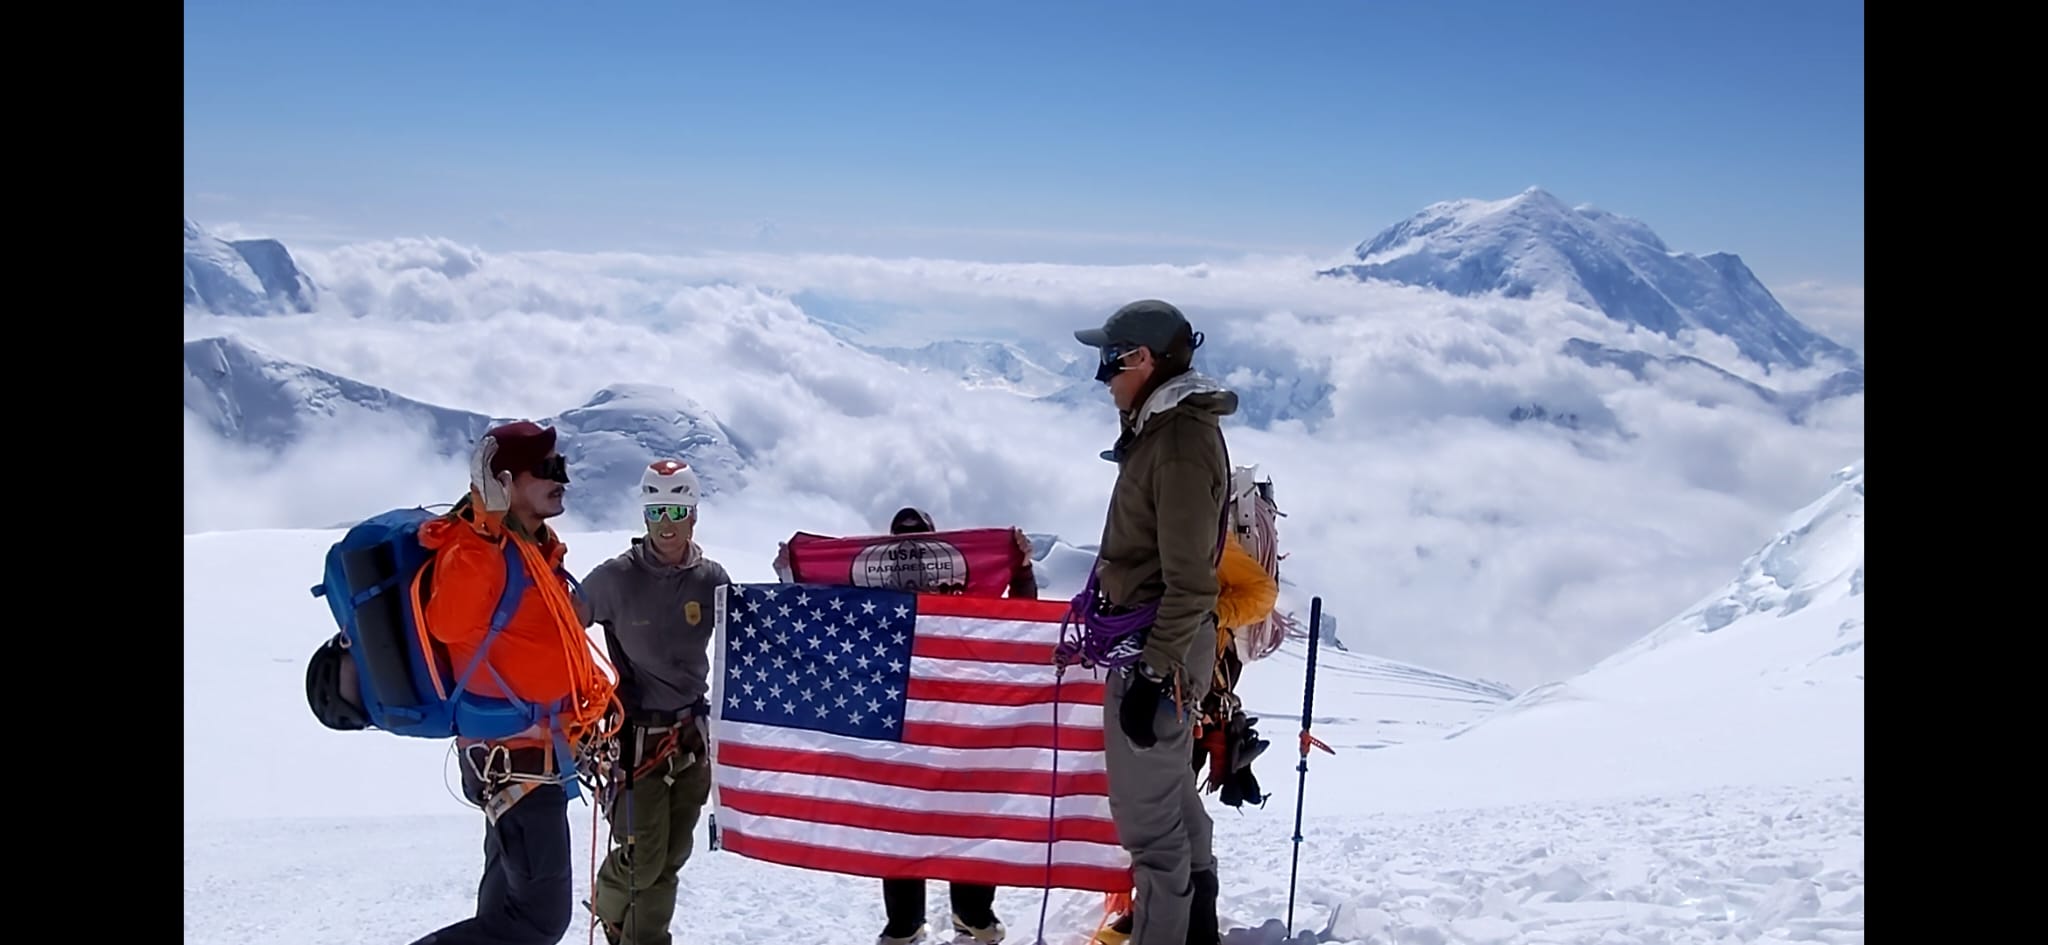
1760 683
1547 823
1796 611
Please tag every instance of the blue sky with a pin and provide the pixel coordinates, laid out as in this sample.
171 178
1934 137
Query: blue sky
1112 131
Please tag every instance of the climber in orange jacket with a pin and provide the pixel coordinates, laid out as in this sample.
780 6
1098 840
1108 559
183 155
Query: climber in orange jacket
517 481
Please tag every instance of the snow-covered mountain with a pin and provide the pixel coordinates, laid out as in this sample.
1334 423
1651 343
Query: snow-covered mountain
611 438
1780 647
1724 384
1814 568
1527 245
1533 243
243 277
250 396
990 364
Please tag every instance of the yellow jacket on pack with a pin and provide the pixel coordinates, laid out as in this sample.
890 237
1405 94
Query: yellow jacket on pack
1245 592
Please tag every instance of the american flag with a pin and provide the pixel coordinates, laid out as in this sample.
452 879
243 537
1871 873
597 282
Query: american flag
887 733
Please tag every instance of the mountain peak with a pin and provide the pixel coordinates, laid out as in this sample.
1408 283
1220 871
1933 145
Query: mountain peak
623 426
243 277
647 396
249 395
1534 243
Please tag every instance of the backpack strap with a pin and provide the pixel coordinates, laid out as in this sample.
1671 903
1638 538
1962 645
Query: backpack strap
1223 525
564 755
516 583
359 598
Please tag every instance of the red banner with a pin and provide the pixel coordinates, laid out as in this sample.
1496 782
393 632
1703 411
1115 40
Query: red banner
978 562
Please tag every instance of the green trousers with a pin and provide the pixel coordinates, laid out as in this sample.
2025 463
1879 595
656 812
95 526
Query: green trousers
637 884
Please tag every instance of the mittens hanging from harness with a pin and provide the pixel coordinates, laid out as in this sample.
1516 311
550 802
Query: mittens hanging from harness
1242 736
1231 751
1242 788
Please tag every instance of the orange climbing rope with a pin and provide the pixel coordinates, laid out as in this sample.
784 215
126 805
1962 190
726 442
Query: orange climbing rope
590 673
592 712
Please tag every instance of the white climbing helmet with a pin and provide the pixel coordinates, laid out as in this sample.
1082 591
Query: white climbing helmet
668 482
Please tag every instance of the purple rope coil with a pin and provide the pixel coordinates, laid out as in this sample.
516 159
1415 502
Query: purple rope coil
1093 639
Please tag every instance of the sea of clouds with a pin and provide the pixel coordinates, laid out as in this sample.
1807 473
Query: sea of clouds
1439 531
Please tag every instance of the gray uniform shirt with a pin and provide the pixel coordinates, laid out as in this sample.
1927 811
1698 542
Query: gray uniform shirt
657 625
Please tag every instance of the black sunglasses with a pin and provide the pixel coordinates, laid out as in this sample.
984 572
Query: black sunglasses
1113 356
555 467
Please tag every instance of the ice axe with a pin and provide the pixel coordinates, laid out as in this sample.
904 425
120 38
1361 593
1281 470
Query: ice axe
1308 701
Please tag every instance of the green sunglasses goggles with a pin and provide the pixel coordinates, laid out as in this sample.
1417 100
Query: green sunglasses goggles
674 513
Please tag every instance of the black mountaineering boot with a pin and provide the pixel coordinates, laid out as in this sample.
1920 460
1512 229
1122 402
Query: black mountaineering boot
1202 911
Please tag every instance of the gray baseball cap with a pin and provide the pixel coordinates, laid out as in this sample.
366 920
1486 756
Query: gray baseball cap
1148 322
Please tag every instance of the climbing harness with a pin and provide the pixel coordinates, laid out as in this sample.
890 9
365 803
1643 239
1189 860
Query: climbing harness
1096 634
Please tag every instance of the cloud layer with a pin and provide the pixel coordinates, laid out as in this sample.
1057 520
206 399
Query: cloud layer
1438 531
1833 310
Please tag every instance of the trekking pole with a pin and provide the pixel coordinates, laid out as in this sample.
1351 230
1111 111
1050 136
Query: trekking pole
1308 700
631 927
592 938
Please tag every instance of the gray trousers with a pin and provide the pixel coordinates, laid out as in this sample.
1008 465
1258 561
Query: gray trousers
1156 803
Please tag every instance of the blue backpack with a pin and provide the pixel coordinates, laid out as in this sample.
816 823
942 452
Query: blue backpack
383 670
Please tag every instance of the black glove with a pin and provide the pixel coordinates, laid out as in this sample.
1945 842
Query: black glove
1240 786
1245 745
1140 707
1243 788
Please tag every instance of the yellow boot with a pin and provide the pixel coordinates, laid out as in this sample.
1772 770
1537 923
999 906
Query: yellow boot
1115 933
1117 929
